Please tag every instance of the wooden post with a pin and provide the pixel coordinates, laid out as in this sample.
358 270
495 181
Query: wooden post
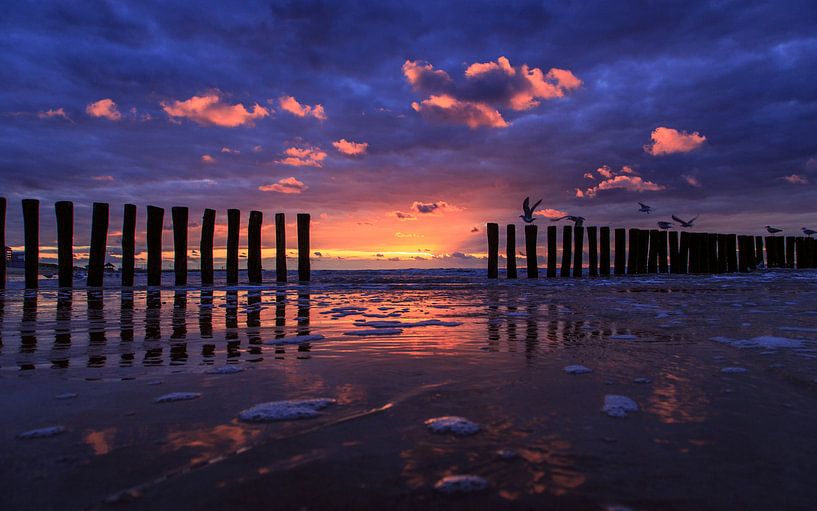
759 251
751 252
674 253
743 256
652 256
799 252
790 251
722 260
620 251
254 269
592 252
604 252
233 228
493 250
155 222
128 244
303 247
532 260
280 248
180 216
551 251
683 253
632 251
3 242
567 250
99 242
712 252
731 253
31 228
64 211
510 251
781 251
578 252
643 249
208 227
663 267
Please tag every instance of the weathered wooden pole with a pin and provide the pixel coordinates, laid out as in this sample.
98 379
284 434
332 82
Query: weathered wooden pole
683 253
254 270
799 252
180 216
771 252
663 267
759 251
712 252
128 244
743 262
790 240
493 250
781 251
155 222
722 260
532 260
751 252
64 211
3 242
99 242
632 251
510 251
551 251
604 252
652 255
674 253
208 228
695 256
643 249
567 250
620 251
578 252
303 247
31 228
233 228
731 253
280 248
592 252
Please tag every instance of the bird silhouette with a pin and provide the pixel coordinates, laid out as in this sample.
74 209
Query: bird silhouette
643 208
578 220
773 230
685 223
808 232
664 225
527 211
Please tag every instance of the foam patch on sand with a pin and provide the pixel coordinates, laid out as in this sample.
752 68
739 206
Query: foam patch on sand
294 339
618 406
459 426
290 409
177 396
225 370
577 369
764 341
460 484
375 331
42 432
67 395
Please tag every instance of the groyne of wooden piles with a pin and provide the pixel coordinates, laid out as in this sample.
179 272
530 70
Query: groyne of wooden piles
64 213
648 251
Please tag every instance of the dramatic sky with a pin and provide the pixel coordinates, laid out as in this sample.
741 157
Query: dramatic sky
404 127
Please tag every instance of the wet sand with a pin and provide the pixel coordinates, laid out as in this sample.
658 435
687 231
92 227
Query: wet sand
94 363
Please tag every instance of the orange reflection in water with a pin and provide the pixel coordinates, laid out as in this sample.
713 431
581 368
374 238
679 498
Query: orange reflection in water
212 442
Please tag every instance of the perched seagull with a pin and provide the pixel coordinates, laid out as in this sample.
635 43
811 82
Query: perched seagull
808 232
527 211
665 225
578 220
643 208
773 230
683 223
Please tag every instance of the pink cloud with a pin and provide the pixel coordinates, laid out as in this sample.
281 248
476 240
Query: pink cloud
692 181
104 108
291 105
589 175
206 158
102 178
211 110
550 213
227 150
423 77
502 65
351 148
433 208
669 140
403 216
625 179
308 156
53 112
796 179
286 185
450 109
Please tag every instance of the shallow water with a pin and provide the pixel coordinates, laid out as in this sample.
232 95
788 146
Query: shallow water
94 362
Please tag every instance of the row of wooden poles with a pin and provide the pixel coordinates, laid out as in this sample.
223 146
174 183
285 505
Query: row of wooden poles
64 211
650 251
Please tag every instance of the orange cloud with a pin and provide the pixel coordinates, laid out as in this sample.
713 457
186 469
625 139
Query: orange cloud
291 105
669 140
102 178
351 148
206 158
285 185
210 110
403 216
104 108
450 109
796 179
625 179
422 76
53 112
303 157
502 64
550 213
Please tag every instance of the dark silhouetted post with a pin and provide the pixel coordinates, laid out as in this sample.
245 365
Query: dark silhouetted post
789 251
771 252
280 248
180 215
303 247
683 253
800 252
128 244
99 242
620 251
722 261
674 254
65 242
233 227
155 222
632 252
551 251
567 250
743 256
643 249
254 247
532 260
578 252
759 251
604 252
493 250
781 251
663 267
510 250
31 228
712 252
750 253
731 253
208 227
652 256
592 252
3 242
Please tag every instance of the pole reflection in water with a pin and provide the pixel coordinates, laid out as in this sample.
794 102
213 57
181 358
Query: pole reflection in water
153 328
96 328
231 325
531 331
304 308
178 350
280 321
126 327
62 329
208 350
494 319
254 325
28 328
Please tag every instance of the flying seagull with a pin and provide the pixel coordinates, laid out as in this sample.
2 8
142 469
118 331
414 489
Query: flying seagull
683 223
643 208
773 230
578 220
665 225
527 211
808 232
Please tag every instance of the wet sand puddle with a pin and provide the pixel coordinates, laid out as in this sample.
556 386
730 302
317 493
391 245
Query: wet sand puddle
656 393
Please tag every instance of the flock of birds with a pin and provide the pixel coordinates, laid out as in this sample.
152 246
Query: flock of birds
528 210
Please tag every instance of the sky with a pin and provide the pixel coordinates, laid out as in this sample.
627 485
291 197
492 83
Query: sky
403 127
